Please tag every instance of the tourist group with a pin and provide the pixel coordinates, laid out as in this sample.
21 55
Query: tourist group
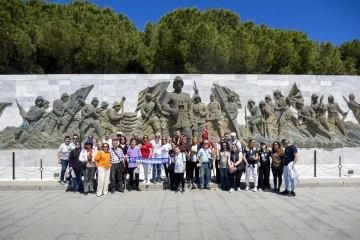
116 163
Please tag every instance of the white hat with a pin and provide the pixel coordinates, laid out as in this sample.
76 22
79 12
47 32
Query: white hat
233 134
119 133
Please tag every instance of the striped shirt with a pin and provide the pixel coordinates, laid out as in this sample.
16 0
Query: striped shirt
117 155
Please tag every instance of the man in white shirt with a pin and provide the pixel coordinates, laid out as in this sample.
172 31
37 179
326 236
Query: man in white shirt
233 140
156 168
107 139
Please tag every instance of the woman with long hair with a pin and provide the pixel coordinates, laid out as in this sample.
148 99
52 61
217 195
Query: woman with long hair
264 168
277 165
224 158
133 152
186 150
87 156
124 147
236 161
250 154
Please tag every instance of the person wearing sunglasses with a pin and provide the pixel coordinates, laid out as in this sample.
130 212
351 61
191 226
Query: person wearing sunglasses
204 157
264 168
87 157
146 152
156 153
75 138
250 154
133 168
102 159
277 165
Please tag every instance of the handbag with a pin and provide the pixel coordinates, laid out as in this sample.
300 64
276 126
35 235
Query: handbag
232 169
241 166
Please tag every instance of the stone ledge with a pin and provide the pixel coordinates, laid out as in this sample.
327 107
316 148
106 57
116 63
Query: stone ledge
47 185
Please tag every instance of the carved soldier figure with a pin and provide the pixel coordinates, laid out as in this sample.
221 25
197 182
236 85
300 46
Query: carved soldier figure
90 118
214 112
104 118
333 115
270 103
178 105
320 110
269 118
308 116
231 112
354 106
115 117
164 123
58 112
43 123
32 118
285 112
255 119
72 107
149 113
199 116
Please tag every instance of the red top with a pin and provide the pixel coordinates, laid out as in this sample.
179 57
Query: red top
145 149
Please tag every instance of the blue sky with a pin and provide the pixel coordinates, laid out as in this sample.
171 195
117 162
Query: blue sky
323 20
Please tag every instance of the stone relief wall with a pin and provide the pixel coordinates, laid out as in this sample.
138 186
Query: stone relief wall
37 111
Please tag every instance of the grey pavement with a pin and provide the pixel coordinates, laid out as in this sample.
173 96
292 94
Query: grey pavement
315 213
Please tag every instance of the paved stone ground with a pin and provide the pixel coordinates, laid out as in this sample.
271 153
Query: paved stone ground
316 213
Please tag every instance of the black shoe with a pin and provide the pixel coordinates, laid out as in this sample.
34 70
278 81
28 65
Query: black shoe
286 192
177 190
274 190
121 190
183 190
112 191
130 189
201 188
292 194
85 193
278 190
138 189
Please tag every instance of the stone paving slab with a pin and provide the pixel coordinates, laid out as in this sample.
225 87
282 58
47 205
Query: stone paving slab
43 185
315 213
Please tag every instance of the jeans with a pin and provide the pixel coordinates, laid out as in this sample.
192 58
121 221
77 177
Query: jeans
204 175
103 181
89 175
64 164
77 179
289 177
252 169
224 177
156 172
146 171
116 176
179 178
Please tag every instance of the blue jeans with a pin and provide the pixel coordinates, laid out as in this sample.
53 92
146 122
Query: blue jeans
77 179
204 175
64 164
289 177
224 178
156 172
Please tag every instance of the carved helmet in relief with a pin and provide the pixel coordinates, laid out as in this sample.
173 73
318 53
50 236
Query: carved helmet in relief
178 79
104 104
39 98
314 95
277 91
197 96
95 99
331 97
116 104
251 101
262 103
351 96
268 97
64 95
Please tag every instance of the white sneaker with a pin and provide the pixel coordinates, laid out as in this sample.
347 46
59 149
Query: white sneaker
231 190
254 190
238 189
247 189
259 189
147 182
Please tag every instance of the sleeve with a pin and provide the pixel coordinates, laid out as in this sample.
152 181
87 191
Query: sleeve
82 156
295 150
60 148
71 156
199 152
98 156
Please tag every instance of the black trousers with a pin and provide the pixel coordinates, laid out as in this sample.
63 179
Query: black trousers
277 175
196 169
235 176
264 175
189 174
131 177
179 178
166 171
218 177
172 179
116 176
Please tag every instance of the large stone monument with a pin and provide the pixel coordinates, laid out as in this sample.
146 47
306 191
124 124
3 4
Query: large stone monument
160 107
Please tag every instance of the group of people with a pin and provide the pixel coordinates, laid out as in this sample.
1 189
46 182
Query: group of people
111 160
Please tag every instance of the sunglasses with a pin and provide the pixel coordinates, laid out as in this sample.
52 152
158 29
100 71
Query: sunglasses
224 145
91 137
75 138
105 146
157 136
253 142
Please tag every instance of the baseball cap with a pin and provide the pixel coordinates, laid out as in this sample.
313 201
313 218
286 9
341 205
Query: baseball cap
119 133
233 134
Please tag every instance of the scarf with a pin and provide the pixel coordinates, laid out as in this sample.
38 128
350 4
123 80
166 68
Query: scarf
90 152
